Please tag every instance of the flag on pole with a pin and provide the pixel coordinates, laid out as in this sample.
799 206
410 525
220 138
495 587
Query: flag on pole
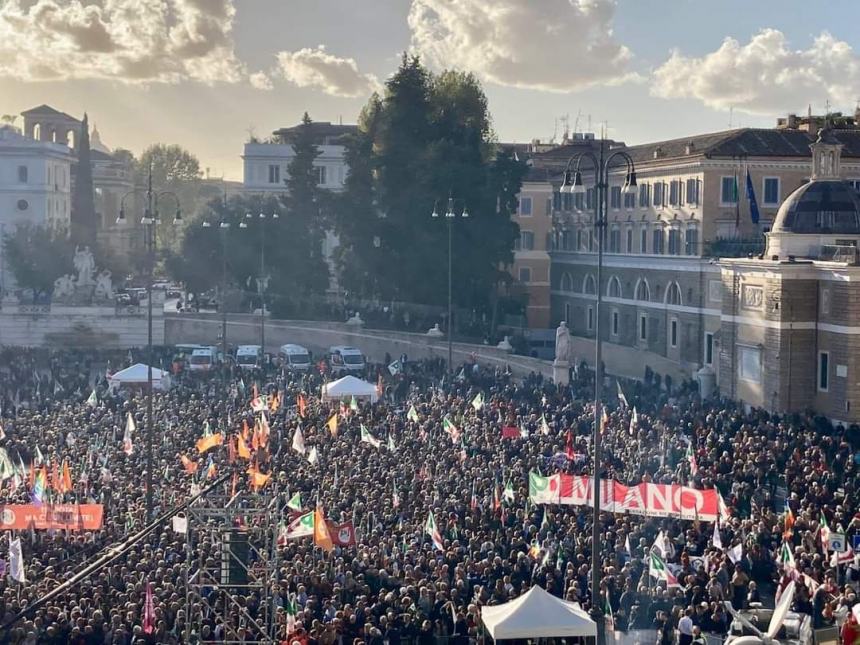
299 441
93 400
657 569
395 496
295 502
313 457
322 536
716 540
302 526
332 424
302 404
691 457
786 557
210 468
627 545
604 419
824 532
242 448
207 443
127 445
544 426
66 478
16 562
788 522
40 486
754 214
451 429
508 493
432 530
412 415
621 398
391 446
395 368
634 422
353 404
366 437
189 466
292 610
148 611
478 402
736 553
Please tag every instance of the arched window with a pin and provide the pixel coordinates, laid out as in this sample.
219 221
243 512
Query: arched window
37 132
588 285
642 290
71 139
566 282
673 294
614 288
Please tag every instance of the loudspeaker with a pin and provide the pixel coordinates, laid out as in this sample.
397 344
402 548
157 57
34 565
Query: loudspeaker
235 557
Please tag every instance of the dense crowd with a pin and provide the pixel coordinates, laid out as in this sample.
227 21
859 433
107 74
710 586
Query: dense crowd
394 586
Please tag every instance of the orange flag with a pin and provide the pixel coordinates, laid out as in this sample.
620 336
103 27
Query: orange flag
66 478
322 537
256 478
55 478
190 466
242 448
265 430
207 443
302 404
332 425
275 402
245 430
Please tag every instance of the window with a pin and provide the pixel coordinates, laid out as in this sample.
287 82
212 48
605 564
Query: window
567 202
629 201
709 348
675 192
579 246
590 319
525 274
23 174
548 210
729 191
615 240
589 198
566 282
527 240
771 191
692 191
644 195
657 242
674 241
615 197
614 322
556 200
526 206
673 294
578 201
629 245
749 364
614 288
274 174
643 240
691 241
588 285
642 291
658 194
567 312
321 175
673 332
643 327
23 204
823 371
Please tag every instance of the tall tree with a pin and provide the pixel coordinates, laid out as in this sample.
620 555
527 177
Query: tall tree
427 137
37 256
83 215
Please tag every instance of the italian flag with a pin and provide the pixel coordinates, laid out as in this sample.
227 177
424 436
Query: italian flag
657 569
432 530
295 502
824 533
508 493
302 526
786 557
292 609
543 490
451 429
366 437
691 457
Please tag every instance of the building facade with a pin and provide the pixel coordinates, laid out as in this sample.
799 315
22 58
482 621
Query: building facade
35 187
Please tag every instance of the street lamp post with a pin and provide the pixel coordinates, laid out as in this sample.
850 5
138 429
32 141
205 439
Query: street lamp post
223 226
263 280
150 224
572 183
450 216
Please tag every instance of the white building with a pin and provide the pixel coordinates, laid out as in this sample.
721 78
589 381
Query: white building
34 185
266 164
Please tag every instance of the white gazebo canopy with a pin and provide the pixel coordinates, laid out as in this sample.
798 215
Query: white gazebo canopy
537 614
348 387
137 374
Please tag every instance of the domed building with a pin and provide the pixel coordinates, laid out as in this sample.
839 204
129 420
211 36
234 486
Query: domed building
789 336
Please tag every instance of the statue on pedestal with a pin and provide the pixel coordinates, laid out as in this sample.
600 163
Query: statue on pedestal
561 364
104 287
64 287
84 264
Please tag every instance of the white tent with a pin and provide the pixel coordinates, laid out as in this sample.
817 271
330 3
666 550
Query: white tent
348 387
137 374
537 614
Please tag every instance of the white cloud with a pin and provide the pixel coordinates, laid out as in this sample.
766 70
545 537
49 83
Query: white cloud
554 45
316 68
132 41
764 76
260 81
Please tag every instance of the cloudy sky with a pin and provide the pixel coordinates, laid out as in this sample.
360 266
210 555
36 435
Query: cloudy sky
205 73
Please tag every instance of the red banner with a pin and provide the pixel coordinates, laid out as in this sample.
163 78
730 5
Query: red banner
341 534
67 517
510 432
660 500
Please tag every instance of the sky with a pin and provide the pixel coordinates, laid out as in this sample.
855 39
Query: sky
206 73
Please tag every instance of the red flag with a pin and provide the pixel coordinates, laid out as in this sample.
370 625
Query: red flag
568 445
510 432
341 534
302 404
497 499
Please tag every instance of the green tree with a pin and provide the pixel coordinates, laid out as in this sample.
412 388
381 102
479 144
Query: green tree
427 136
37 256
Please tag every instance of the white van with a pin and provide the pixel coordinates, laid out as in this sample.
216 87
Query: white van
203 359
295 357
249 357
343 358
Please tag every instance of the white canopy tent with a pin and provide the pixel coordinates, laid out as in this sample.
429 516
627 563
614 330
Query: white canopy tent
537 614
137 375
348 387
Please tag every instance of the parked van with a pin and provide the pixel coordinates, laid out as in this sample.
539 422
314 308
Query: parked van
295 357
204 359
249 357
343 358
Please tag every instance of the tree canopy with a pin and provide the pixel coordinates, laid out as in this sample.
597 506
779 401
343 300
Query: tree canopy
427 137
37 256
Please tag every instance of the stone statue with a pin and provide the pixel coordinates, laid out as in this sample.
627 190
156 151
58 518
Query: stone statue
64 287
562 343
84 265
104 287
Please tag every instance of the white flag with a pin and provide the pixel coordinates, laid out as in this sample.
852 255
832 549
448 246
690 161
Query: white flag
395 368
16 561
180 524
716 540
736 553
93 400
312 457
299 441
366 437
478 402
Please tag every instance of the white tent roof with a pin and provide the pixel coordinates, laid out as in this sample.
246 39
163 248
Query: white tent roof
137 374
537 614
349 386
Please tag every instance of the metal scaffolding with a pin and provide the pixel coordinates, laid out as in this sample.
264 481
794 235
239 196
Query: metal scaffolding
231 568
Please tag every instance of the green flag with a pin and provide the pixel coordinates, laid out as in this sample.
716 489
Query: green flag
412 415
295 502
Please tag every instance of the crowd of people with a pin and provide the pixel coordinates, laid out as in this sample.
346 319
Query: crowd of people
395 585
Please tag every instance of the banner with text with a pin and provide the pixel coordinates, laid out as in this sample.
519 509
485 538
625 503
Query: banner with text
66 517
660 500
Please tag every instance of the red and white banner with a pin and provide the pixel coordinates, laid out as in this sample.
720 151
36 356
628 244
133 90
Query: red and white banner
341 534
67 517
660 500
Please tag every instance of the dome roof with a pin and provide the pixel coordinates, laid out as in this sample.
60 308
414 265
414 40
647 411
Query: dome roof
820 207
